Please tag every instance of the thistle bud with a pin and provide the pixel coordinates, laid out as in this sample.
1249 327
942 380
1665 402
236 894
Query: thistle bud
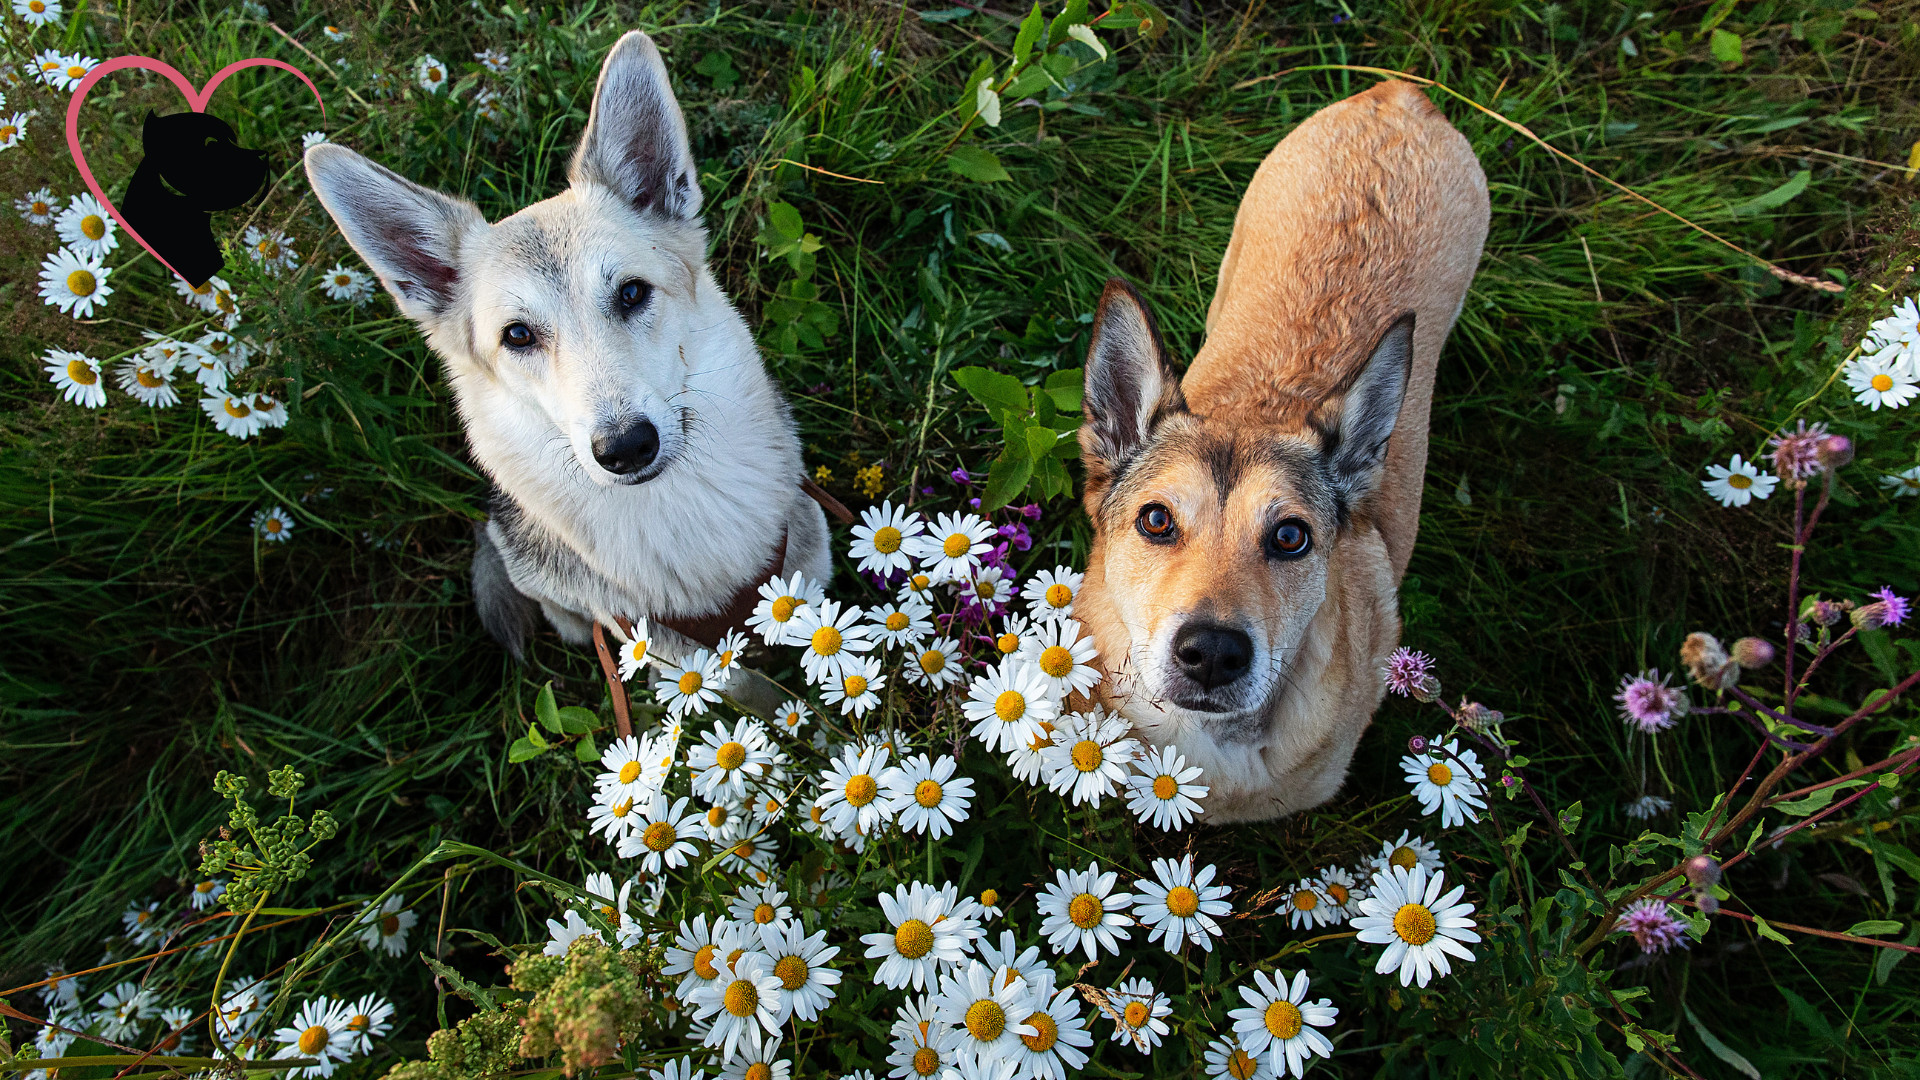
1870 616
1753 652
1829 612
1477 717
1835 451
1417 745
1707 661
1703 871
1427 689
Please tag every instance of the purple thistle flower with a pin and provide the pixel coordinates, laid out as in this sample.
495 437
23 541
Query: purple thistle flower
1897 606
1407 671
1653 926
1797 454
1648 703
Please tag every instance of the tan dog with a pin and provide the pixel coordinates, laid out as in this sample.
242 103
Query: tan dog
1252 522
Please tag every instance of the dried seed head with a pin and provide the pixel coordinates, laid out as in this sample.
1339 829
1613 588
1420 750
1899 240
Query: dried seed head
1753 652
1835 451
1707 661
1477 717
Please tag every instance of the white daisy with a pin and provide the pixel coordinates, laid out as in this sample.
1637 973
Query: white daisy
985 1020
757 1064
342 282
319 1030
990 904
386 926
884 539
1179 905
631 769
917 586
1343 893
745 1004
1138 1009
245 1002
1903 483
175 1022
206 295
724 761
698 950
142 922
13 130
271 248
663 838
614 815
1089 755
335 34
1407 913
1029 762
1881 380
1161 791
1406 853
148 383
368 1019
78 377
1306 905
926 795
1226 1059
791 716
86 227
1008 704
1738 482
1897 336
680 1068
273 525
1009 963
1448 779
431 74
990 587
1064 654
935 664
231 415
633 649
1081 908
801 962
780 600
1049 593
73 69
922 938
726 655
757 907
1278 1021
561 935
1015 630
124 1009
494 60
228 352
312 139
37 12
831 635
207 893
750 854
687 689
856 689
271 411
951 547
963 912
74 283
903 624
852 792
918 1039
1058 1044
36 207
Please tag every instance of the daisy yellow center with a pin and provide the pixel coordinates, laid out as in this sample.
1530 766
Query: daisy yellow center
759 1070
1439 775
1010 705
703 962
38 7
854 685
629 772
267 248
990 898
223 301
932 661
985 590
1404 857
1007 643
717 816
93 227
204 887
897 620
1087 755
237 409
763 913
390 925
342 280
1414 923
726 659
886 539
40 207
1283 1020
1165 787
1049 1033
1338 892
920 582
7 133
742 998
1057 661
956 545
1182 901
730 756
659 836
861 789
792 719
314 1039
81 372
202 289
1305 900
783 608
1883 382
986 1020
607 910
792 972
734 955
744 849
826 641
218 346
913 940
925 1061
149 378
1240 1065
75 71
435 74
927 793
690 682
1740 481
1058 595
81 283
273 526
360 1022
816 814
1085 911
1136 1013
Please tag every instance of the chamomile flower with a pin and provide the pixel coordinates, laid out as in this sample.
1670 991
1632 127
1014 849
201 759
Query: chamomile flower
78 377
344 283
1029 762
368 1019
74 283
335 34
430 73
726 654
791 716
271 411
494 60
1903 483
1064 655
1226 1059
688 688
1161 791
884 539
1447 779
1015 632
1008 704
62 990
271 248
917 1050
830 635
989 900
750 854
899 625
936 664
801 962
1406 912
990 587
176 1022
47 64
312 139
917 586
1306 905
745 1004
663 837
273 525
631 768
72 70
562 934
1406 853
1278 1022
614 815
86 227
1897 336
922 938
857 688
951 548
1009 963
231 415
125 1009
1089 755
781 599
1738 482
37 12
36 207
1138 1009
319 1030
1342 891
1179 905
204 296
698 950
207 893
149 383
758 907
1049 593
1058 1044
985 1020
725 760
926 795
852 790
761 1063
1877 381
142 922
13 130
385 927
680 1068
1079 907
632 652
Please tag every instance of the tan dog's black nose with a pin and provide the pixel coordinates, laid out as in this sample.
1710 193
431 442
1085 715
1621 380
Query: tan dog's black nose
1212 655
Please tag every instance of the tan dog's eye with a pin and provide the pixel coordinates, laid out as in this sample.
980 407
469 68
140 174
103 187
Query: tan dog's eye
1290 539
1155 523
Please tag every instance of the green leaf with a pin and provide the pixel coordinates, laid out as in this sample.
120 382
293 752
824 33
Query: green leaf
1570 818
1767 931
1002 394
1074 12
977 163
1879 646
1726 47
1040 441
1779 196
545 711
537 739
1030 29
460 984
1068 388
1875 926
1006 479
522 750
785 221
1818 800
575 720
1084 35
1719 1049
584 751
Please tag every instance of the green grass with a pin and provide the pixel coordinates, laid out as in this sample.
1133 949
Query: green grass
1604 356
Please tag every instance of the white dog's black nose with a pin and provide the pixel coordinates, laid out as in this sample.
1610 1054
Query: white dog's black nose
1212 655
627 450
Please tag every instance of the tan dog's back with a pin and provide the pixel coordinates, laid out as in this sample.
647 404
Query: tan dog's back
1372 207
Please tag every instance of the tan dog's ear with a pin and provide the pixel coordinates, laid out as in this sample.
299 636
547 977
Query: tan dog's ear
1356 420
1130 386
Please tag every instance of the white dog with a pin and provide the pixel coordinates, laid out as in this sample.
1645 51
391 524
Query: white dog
643 462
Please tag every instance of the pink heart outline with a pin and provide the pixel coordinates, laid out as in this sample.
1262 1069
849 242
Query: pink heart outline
196 98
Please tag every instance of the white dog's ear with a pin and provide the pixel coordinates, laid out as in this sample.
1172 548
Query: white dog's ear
1130 385
409 234
636 139
1356 420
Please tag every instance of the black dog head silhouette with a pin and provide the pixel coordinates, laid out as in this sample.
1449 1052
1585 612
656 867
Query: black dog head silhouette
192 168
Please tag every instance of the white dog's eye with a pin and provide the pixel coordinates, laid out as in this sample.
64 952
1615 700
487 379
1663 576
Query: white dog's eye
516 336
634 293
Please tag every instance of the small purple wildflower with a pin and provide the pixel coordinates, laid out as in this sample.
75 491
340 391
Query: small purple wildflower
1031 511
975 503
1897 606
1407 671
1797 455
926 491
1648 703
960 476
1017 535
1653 926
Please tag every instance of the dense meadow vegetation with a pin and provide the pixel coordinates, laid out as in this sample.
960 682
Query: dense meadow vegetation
897 236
